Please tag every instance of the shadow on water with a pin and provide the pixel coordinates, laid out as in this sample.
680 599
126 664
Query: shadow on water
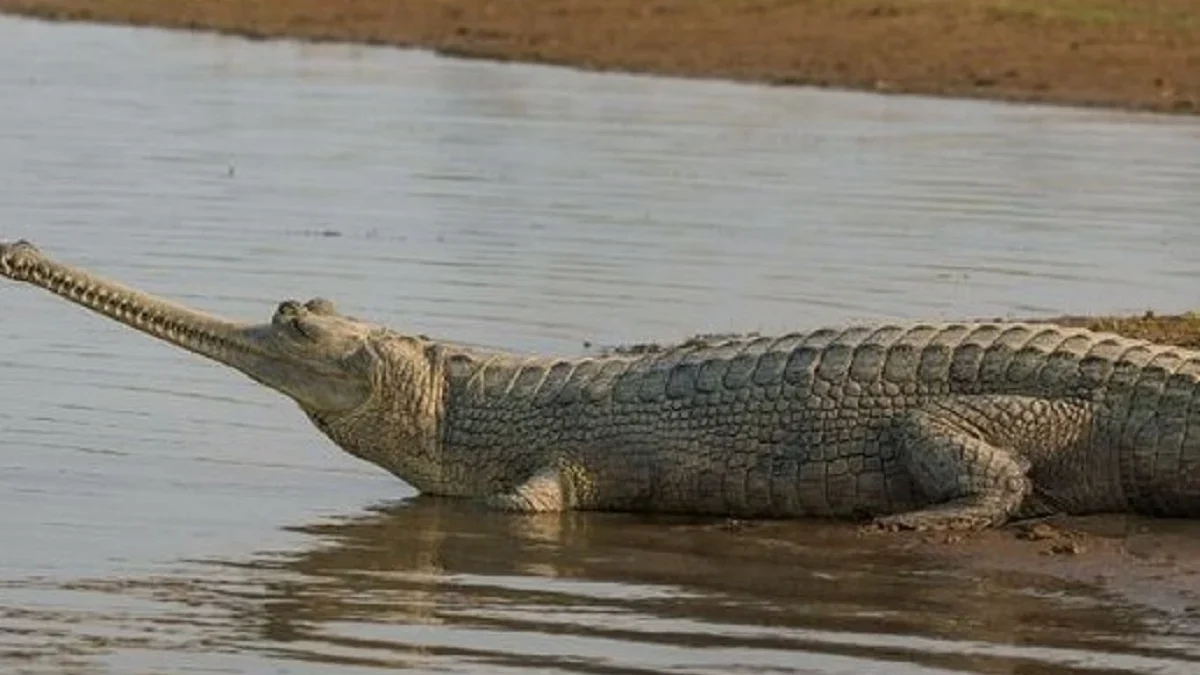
441 585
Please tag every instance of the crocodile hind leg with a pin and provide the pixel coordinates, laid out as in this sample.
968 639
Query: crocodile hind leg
968 456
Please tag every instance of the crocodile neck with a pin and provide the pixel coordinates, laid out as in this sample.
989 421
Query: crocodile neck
399 426
494 413
446 418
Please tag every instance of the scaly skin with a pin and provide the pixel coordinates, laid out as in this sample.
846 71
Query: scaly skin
919 426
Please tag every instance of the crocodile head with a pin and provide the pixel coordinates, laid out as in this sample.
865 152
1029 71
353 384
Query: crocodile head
322 360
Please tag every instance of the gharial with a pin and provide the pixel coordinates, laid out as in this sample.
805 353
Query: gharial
949 425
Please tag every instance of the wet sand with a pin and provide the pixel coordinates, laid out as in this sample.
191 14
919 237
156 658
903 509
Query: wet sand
1150 561
1122 53
1139 564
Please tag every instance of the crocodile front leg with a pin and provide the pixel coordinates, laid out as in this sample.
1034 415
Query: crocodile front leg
562 486
970 456
542 492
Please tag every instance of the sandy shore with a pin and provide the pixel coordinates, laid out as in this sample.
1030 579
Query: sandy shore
1121 53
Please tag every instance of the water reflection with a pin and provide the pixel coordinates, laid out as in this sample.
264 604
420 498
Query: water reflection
435 584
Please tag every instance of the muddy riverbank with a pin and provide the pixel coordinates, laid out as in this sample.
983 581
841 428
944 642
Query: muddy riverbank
1179 329
1121 53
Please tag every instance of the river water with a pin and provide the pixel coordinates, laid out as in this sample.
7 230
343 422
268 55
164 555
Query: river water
160 514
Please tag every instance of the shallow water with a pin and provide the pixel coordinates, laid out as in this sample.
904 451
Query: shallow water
160 514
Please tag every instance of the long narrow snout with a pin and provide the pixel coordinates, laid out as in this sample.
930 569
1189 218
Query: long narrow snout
204 334
314 372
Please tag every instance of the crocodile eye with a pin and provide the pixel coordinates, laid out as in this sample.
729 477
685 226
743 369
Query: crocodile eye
287 310
299 326
320 306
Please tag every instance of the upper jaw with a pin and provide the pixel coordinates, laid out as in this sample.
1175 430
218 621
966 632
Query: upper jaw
296 366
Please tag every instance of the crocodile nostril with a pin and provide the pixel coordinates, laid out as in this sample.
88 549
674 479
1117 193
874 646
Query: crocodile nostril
286 312
16 256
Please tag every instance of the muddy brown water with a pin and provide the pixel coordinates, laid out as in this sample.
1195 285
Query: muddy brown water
159 514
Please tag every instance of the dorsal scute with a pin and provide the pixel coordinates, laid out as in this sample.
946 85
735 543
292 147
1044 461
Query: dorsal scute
1003 352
